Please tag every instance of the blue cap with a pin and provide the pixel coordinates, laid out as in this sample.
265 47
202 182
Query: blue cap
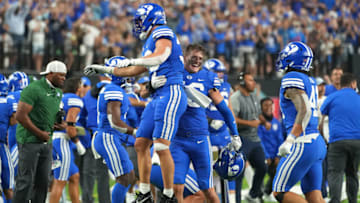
85 81
143 80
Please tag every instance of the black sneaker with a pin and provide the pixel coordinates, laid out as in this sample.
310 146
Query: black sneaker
166 199
143 198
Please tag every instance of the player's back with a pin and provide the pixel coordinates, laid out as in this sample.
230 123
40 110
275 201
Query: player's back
194 119
306 83
111 92
173 67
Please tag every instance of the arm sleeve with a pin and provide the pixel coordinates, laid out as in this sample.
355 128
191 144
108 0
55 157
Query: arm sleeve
113 95
228 117
292 82
161 33
75 102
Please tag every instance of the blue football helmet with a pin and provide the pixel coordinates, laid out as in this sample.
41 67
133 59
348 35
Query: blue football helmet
295 55
18 81
4 86
230 163
214 65
146 16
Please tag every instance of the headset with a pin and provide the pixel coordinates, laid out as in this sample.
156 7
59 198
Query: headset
241 79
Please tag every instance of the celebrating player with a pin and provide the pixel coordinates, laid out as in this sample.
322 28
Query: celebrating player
191 143
304 148
162 57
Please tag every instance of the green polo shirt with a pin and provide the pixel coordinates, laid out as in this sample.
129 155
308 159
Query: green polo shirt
45 101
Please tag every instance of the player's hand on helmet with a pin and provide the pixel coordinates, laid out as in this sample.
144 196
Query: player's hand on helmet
236 142
97 69
216 124
157 81
285 147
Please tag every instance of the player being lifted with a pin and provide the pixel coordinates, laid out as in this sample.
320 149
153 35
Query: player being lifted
191 143
162 57
304 148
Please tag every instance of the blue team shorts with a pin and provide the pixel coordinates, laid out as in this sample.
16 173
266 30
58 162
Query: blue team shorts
108 145
161 116
14 158
7 168
63 152
303 163
191 186
220 139
196 149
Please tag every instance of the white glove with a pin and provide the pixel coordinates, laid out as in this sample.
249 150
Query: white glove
97 69
123 63
80 148
236 142
158 81
216 124
285 147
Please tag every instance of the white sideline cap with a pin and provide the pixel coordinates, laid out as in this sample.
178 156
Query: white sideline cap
54 67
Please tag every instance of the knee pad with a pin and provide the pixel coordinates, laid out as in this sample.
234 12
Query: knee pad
160 146
280 196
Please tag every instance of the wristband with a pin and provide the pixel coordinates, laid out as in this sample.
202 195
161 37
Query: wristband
134 132
71 124
291 138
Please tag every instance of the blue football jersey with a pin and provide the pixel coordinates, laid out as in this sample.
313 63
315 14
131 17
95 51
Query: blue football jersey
12 129
71 100
194 119
90 104
173 67
111 92
212 111
303 82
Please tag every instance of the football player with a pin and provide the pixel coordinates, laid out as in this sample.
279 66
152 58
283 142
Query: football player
191 143
113 105
162 56
7 118
63 142
17 82
304 148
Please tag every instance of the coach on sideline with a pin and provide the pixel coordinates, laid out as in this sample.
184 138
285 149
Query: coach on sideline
342 107
37 109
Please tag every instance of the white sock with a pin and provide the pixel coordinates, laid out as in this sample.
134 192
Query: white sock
130 197
144 188
249 175
168 192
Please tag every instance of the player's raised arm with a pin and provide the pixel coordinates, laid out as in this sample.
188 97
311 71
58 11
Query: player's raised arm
228 115
132 67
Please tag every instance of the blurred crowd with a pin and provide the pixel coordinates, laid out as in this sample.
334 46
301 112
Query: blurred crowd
245 34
